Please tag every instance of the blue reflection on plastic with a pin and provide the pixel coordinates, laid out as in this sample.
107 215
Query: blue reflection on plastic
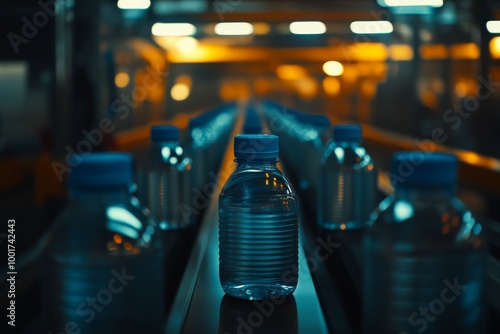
124 222
402 211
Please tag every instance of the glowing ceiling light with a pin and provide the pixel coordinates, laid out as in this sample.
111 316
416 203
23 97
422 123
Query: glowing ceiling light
411 3
173 29
233 28
333 68
371 27
307 28
493 27
133 4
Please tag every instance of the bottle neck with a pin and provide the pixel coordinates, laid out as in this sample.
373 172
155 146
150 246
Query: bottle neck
118 193
345 142
256 163
168 143
431 195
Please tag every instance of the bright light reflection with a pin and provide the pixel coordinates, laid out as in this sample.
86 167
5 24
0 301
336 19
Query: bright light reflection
307 28
165 153
333 68
133 4
233 28
402 211
371 27
339 153
173 29
411 3
493 27
179 92
123 229
123 216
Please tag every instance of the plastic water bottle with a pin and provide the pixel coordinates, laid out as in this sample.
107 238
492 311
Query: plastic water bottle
316 130
102 271
165 180
423 270
258 224
348 182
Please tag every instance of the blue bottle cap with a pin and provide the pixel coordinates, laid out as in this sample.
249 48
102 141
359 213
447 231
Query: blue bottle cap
101 169
319 121
417 168
347 133
162 133
256 146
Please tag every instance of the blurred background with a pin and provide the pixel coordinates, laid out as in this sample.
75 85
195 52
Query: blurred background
415 74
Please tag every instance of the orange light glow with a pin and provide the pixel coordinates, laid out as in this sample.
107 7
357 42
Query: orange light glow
333 68
495 47
366 52
261 28
401 52
117 238
291 72
179 92
331 86
122 79
307 87
465 51
127 245
368 88
434 51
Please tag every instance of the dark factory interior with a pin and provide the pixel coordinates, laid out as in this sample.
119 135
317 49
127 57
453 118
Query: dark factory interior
134 136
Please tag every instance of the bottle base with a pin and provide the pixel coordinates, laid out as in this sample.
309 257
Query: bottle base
258 291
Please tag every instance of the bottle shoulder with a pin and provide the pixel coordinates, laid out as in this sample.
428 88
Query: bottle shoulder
354 155
257 182
121 228
438 223
174 157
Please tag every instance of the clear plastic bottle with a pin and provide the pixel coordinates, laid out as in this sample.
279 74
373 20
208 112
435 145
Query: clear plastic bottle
165 180
102 271
423 263
258 224
348 182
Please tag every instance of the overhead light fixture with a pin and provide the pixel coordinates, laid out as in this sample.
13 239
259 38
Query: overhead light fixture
173 29
133 4
233 28
493 27
411 3
333 68
371 27
307 28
